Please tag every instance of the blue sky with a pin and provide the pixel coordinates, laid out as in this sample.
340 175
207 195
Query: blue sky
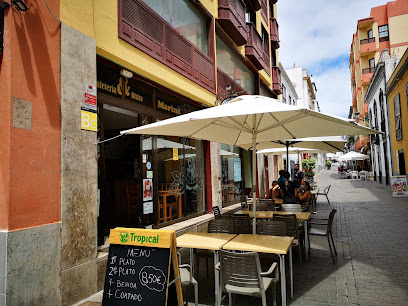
316 35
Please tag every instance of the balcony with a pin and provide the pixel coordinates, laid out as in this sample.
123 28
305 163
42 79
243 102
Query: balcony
253 48
367 46
367 73
274 28
231 17
223 80
144 29
256 4
276 80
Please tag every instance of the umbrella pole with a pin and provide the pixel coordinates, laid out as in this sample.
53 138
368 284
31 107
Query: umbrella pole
287 156
254 185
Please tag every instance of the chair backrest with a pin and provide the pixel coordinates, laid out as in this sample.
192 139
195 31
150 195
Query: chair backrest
330 223
273 228
262 206
240 270
222 226
291 224
292 207
216 211
242 224
326 189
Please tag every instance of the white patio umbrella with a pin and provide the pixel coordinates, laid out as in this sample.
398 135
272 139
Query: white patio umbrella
352 155
250 119
163 144
292 150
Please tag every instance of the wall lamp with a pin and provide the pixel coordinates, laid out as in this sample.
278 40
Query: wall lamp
20 5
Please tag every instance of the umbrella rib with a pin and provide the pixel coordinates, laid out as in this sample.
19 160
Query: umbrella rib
244 124
325 142
259 122
282 123
214 122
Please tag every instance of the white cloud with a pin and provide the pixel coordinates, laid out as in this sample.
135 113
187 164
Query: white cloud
317 35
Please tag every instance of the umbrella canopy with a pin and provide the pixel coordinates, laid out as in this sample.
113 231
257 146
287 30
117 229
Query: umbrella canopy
353 156
163 144
250 119
294 150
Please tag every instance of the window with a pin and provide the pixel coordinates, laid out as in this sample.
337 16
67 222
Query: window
401 162
383 33
232 65
370 33
283 94
371 62
250 16
273 54
375 115
271 13
397 113
290 100
265 41
182 15
231 171
370 118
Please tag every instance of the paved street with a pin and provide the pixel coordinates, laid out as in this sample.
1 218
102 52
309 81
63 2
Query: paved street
372 243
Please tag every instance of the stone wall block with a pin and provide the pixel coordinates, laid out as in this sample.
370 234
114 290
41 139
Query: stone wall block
34 266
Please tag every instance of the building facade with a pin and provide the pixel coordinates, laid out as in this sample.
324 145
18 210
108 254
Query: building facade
305 88
384 28
397 95
289 94
378 116
72 81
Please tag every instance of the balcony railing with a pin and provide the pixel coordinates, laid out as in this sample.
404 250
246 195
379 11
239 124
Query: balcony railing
253 48
385 38
231 17
144 29
368 70
276 80
274 28
367 41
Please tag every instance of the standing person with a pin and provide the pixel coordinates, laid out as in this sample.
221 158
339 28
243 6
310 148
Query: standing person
281 177
298 177
287 190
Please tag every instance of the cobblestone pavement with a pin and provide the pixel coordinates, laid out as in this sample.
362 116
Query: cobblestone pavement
372 244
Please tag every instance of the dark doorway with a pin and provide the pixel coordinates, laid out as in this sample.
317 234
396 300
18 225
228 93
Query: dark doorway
401 162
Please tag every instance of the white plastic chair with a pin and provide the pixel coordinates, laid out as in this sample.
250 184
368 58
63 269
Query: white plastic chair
363 175
187 279
354 175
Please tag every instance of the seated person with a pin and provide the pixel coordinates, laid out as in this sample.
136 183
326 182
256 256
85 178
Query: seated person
287 190
304 195
273 193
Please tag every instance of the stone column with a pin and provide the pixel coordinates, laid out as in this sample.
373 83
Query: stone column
79 169
216 174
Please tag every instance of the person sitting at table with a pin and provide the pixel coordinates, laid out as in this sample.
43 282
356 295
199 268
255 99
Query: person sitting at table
287 190
304 195
274 192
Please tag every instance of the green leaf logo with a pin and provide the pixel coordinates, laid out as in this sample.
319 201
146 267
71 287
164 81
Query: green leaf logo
124 237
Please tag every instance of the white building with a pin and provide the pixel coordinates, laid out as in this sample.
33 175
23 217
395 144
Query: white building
305 88
289 94
378 115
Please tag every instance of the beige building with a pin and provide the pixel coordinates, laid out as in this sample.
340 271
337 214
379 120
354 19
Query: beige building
385 28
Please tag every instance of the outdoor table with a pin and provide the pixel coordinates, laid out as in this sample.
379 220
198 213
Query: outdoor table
301 216
205 241
279 245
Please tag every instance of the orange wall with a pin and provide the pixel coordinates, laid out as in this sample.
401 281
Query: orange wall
31 178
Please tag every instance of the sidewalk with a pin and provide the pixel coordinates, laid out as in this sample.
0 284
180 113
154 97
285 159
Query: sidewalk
372 244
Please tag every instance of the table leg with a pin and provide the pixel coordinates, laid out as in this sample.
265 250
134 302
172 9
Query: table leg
192 261
283 279
291 272
216 276
305 227
179 206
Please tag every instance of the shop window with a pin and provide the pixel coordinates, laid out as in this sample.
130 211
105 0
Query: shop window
182 15
180 177
232 65
397 114
231 168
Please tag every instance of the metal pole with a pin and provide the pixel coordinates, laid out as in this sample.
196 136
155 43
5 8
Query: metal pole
287 156
254 185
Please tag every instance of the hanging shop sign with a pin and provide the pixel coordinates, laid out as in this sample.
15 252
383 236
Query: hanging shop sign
90 97
142 268
89 120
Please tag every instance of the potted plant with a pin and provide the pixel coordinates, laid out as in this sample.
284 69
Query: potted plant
308 165
328 164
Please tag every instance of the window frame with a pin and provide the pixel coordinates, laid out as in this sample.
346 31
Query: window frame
397 117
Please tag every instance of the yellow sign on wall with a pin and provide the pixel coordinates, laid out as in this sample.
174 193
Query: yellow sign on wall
175 154
89 120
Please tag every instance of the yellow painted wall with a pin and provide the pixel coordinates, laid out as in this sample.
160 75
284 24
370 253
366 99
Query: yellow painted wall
397 27
79 14
211 6
399 88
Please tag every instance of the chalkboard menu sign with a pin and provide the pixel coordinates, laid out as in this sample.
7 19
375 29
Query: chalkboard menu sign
140 267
